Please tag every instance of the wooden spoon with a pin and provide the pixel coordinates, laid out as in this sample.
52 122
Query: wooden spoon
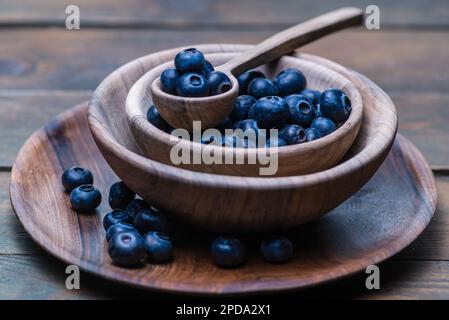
180 112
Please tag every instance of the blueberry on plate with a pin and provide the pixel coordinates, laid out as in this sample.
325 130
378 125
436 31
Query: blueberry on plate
270 112
228 252
275 142
260 87
323 125
312 95
219 83
293 134
312 134
241 107
85 198
192 85
120 195
135 206
246 77
149 219
301 111
168 80
159 246
114 217
232 141
208 68
277 249
127 249
119 228
75 177
335 105
154 117
290 81
189 60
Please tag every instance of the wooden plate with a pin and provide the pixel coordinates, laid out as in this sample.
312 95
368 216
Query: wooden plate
385 216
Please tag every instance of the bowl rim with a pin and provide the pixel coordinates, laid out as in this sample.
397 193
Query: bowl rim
103 136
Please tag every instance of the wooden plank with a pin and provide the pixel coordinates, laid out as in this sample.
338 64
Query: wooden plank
214 13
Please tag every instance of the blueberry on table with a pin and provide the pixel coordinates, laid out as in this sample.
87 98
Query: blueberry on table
189 60
127 249
85 198
159 246
260 87
168 80
114 217
301 111
312 134
293 134
75 177
324 125
154 117
276 250
218 82
149 219
119 228
192 85
335 105
208 68
135 206
246 77
312 95
120 195
290 81
241 107
228 252
275 142
270 112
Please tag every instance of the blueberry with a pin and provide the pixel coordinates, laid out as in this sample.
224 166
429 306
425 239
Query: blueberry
335 105
85 198
156 120
114 217
228 252
75 177
270 112
323 125
232 141
247 124
312 134
149 219
293 134
301 111
312 95
119 228
276 250
159 246
246 77
226 124
219 83
120 195
192 85
290 81
250 132
208 68
135 206
189 60
127 249
275 142
168 80
241 107
318 111
260 87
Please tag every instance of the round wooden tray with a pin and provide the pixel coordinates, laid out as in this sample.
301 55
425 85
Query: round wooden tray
386 215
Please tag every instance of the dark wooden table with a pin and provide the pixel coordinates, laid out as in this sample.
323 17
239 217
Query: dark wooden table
45 69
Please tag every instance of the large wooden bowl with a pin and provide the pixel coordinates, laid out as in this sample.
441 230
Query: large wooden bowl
291 160
229 203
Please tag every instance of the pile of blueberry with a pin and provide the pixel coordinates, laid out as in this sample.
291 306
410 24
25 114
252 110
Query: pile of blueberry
284 103
137 231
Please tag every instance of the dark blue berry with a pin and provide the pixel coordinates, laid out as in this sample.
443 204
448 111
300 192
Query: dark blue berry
159 246
192 85
301 111
250 134
168 80
85 198
127 249
219 83
228 252
318 111
114 217
246 77
260 87
208 68
241 107
156 120
226 124
335 105
312 134
293 134
189 60
323 125
276 250
275 142
120 195
270 112
149 219
135 206
232 141
247 124
290 81
75 177
312 95
119 228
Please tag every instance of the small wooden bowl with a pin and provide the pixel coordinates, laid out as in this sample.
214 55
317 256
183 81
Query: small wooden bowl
292 160
238 204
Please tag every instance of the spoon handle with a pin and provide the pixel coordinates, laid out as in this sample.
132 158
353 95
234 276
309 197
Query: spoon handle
290 39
